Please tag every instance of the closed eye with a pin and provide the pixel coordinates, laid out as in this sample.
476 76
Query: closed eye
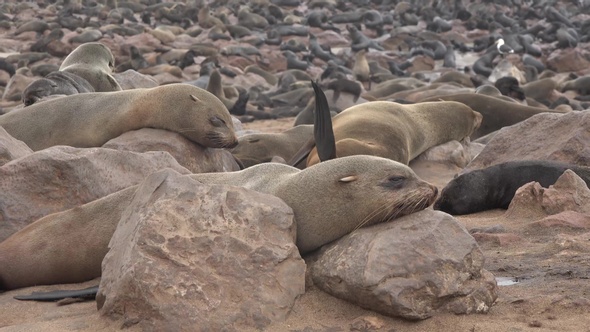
394 182
217 122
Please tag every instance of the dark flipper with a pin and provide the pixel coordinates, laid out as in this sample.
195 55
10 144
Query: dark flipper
86 293
322 129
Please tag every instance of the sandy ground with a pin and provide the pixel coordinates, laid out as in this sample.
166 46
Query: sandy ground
545 270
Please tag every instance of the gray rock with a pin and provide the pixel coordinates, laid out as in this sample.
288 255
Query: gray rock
194 157
412 267
63 177
546 136
11 148
188 256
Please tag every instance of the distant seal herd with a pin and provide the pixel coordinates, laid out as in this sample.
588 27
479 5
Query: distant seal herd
348 166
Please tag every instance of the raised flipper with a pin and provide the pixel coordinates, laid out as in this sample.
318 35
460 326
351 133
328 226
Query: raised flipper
86 293
322 131
322 128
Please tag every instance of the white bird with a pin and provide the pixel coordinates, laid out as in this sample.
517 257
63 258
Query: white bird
503 48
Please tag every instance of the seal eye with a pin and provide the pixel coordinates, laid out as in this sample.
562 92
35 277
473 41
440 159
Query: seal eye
394 182
217 122
253 140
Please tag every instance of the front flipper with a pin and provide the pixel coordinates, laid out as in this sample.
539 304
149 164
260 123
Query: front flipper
86 293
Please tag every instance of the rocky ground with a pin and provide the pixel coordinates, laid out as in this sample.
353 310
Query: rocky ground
542 269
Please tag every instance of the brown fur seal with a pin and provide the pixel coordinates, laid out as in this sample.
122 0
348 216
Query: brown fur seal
95 63
497 113
91 119
399 132
329 201
56 83
361 69
253 149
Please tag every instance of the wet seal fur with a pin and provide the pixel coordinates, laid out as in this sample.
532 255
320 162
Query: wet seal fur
329 200
494 187
91 119
93 62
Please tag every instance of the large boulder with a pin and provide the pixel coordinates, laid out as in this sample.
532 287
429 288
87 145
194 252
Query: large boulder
195 158
188 256
546 136
63 177
413 267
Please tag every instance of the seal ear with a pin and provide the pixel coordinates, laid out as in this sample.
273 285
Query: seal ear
194 98
348 179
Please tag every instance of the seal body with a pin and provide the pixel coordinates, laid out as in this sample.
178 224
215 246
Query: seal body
329 201
399 132
91 119
497 113
55 83
93 62
494 187
257 148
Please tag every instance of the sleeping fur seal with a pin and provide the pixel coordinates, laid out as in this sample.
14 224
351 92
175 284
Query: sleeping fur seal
91 119
497 113
399 132
329 200
494 187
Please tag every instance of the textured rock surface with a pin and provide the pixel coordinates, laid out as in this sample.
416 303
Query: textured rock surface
546 136
188 255
11 148
194 157
62 177
455 152
569 193
412 267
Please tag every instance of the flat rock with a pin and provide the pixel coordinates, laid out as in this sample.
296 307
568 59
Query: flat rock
195 158
413 267
186 254
546 136
63 177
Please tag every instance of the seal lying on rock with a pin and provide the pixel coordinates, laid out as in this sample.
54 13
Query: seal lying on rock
92 119
494 187
329 200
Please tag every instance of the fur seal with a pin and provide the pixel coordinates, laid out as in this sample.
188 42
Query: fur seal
329 201
494 187
56 83
91 119
497 113
398 132
94 62
361 68
257 148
